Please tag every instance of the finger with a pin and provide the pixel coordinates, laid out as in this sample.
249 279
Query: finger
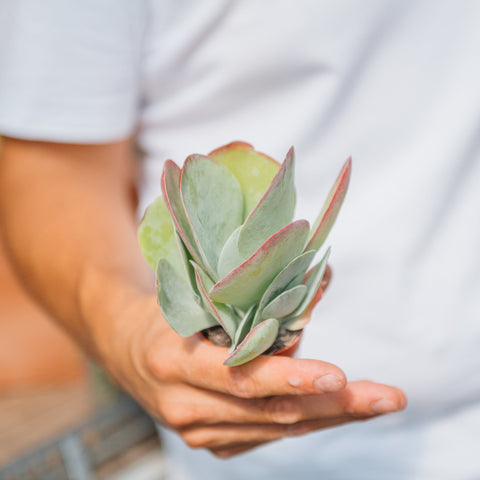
233 435
237 450
359 399
185 406
170 358
364 398
262 377
309 426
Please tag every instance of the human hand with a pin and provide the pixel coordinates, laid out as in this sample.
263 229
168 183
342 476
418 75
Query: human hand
97 285
183 384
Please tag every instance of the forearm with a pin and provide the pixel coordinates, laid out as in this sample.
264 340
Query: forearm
69 220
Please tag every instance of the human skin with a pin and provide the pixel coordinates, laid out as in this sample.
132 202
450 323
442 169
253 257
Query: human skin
70 227
33 350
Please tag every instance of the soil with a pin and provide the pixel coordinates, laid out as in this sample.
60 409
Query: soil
217 336
284 338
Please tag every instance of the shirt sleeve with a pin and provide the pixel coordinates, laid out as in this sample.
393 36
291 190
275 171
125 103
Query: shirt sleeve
69 69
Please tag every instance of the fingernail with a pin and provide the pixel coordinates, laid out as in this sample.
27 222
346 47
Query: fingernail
383 406
328 383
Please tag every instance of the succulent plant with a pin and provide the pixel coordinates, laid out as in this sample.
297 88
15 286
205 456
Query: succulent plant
227 254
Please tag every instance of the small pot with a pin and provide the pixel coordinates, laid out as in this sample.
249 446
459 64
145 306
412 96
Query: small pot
290 349
216 336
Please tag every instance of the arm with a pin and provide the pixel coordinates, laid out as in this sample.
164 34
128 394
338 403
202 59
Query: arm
70 227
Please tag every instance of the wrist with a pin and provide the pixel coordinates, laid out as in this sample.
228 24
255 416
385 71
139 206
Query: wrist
112 307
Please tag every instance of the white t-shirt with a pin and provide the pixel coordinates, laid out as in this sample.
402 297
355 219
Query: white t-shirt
395 85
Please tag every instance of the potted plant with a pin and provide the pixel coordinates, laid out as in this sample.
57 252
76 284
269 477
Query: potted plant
230 261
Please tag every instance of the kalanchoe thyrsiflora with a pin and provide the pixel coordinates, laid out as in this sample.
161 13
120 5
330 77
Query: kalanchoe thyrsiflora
226 252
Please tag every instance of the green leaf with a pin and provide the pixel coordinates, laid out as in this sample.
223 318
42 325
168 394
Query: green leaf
325 220
253 170
285 303
297 323
294 272
274 210
202 276
230 257
223 314
176 301
313 282
188 271
171 193
291 276
213 202
301 316
156 236
244 326
245 285
261 338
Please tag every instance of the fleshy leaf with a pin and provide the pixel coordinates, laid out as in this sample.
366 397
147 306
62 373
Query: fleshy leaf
285 303
325 220
171 193
255 343
291 276
313 282
224 315
253 170
188 270
156 236
244 326
287 277
230 257
314 279
213 202
274 210
178 306
300 322
246 284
